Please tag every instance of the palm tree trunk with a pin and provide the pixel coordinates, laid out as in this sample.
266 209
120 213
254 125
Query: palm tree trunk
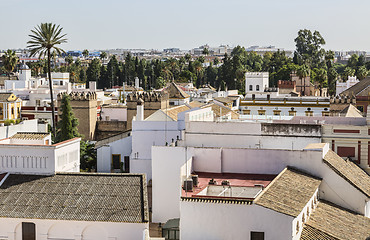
51 95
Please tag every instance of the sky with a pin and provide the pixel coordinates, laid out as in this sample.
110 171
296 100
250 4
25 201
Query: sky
185 24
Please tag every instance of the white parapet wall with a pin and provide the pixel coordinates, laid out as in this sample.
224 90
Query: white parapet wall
40 159
25 126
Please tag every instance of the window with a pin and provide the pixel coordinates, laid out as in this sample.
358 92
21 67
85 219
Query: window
37 103
257 87
309 113
116 161
277 112
325 114
246 112
292 113
268 97
261 112
257 236
28 231
253 96
106 118
250 88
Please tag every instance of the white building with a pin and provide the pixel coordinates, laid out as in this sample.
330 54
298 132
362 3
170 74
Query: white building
269 104
256 81
114 112
85 206
113 153
163 127
342 86
311 184
33 153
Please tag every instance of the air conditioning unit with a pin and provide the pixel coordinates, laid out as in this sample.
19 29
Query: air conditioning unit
188 185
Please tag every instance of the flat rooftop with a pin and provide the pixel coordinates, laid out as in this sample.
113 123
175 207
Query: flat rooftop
240 186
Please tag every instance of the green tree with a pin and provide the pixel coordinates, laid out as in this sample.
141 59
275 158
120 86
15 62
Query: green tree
83 77
353 61
87 156
332 76
85 53
67 125
69 59
112 72
44 38
348 71
205 51
103 56
309 48
93 71
362 73
10 60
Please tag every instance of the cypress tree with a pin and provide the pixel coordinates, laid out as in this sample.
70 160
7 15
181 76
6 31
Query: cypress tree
67 126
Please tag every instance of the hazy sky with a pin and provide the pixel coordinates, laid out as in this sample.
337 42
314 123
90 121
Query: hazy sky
158 24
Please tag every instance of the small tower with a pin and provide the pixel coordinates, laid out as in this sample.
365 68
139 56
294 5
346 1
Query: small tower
84 107
24 72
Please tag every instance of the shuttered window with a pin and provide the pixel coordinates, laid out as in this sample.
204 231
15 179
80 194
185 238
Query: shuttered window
28 231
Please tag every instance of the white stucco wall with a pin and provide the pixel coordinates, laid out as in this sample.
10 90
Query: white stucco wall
11 229
256 78
219 221
118 114
168 172
243 135
40 159
25 126
146 134
104 154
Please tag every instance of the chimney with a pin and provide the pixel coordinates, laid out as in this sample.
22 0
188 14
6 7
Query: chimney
92 86
69 88
140 110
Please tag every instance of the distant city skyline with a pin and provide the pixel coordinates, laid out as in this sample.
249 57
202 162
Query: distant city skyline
188 24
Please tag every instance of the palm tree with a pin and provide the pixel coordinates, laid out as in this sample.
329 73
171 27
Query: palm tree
103 55
44 38
303 72
85 53
10 60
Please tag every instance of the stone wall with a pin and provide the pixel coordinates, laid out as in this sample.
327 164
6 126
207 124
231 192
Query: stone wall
105 129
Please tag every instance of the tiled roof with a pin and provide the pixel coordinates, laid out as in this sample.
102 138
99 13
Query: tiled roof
330 222
221 110
194 104
76 197
358 88
5 96
349 171
176 92
223 99
172 112
30 135
289 192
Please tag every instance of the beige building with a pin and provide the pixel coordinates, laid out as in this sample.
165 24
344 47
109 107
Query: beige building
153 101
10 107
349 141
84 106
